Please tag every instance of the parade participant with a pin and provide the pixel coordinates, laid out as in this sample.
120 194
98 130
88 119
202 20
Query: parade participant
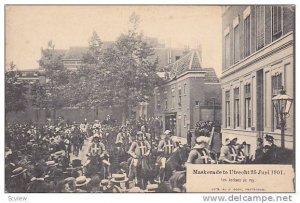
147 136
96 126
271 151
200 154
123 138
241 157
97 157
75 140
138 150
189 136
227 152
164 149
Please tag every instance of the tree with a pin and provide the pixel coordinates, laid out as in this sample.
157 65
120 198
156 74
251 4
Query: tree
131 69
15 91
56 78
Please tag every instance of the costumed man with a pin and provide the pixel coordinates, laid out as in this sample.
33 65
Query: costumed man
84 127
123 138
200 154
138 150
146 135
228 153
96 127
271 151
97 159
241 156
165 148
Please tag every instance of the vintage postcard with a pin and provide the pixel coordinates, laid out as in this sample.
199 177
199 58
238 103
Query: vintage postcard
149 98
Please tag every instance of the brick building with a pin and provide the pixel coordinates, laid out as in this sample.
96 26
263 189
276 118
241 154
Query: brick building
190 93
258 58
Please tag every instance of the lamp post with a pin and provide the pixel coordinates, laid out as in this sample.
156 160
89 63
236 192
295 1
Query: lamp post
282 104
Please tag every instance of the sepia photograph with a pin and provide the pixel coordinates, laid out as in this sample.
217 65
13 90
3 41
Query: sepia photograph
149 98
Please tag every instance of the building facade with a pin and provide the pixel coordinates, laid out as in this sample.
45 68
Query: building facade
258 59
191 93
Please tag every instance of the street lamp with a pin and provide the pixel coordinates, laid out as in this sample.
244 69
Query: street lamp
282 104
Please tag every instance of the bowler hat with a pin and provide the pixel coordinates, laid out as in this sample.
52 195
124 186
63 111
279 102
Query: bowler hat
76 163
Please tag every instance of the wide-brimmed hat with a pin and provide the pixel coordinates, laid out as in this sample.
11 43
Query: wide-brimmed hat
18 171
167 132
51 163
201 142
118 178
82 180
104 183
139 133
269 138
151 188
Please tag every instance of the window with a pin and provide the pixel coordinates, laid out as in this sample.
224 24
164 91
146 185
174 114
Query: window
236 43
197 103
184 120
184 89
260 27
248 105
177 58
276 87
247 36
227 108
166 100
227 51
236 107
179 96
158 101
276 22
173 99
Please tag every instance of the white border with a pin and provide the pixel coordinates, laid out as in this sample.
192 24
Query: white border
45 198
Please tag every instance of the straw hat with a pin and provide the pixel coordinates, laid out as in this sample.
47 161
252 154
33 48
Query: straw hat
118 178
18 171
82 180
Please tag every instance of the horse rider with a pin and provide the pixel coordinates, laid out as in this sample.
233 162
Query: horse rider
139 149
165 148
228 153
97 155
200 154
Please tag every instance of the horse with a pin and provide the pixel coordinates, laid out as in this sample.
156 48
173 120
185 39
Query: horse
176 161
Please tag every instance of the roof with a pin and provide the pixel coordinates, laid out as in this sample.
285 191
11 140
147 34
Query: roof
190 61
79 52
76 52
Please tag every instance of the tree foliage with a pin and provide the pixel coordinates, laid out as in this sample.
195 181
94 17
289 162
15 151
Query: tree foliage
15 91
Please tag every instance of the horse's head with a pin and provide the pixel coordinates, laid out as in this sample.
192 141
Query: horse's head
183 153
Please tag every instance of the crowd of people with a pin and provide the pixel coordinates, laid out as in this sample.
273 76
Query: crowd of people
106 157
48 158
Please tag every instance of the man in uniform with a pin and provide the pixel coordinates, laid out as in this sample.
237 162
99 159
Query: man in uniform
228 152
123 138
165 148
200 154
138 150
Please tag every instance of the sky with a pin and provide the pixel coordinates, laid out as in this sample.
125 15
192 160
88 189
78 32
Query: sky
29 28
